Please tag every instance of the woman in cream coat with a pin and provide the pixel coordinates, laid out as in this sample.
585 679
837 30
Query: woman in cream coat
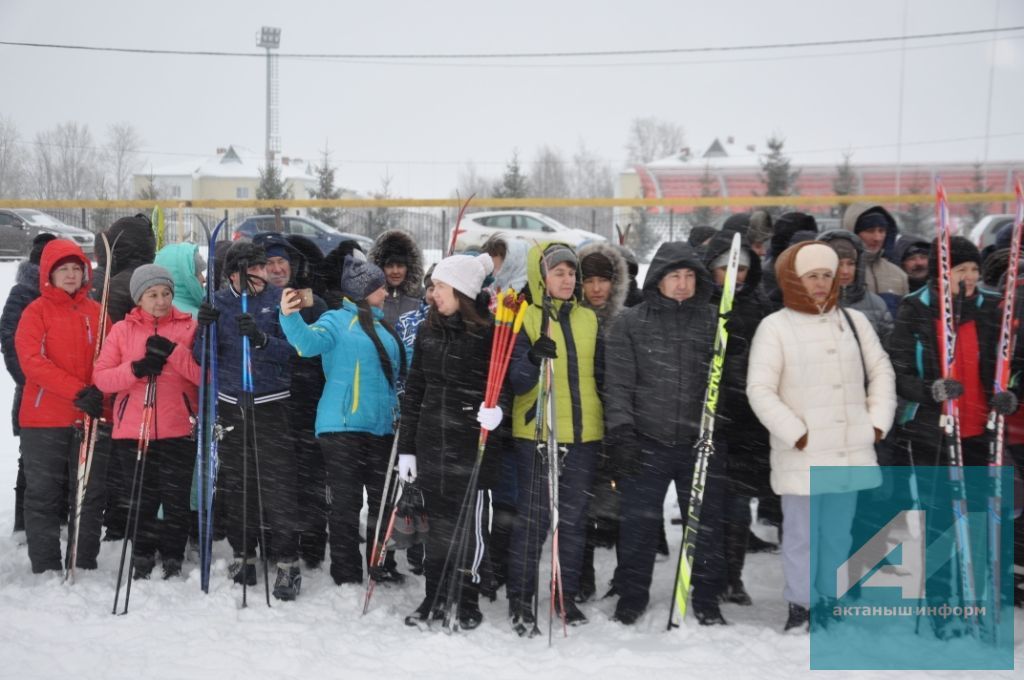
822 385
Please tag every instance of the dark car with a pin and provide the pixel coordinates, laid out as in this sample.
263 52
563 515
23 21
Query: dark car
323 235
18 226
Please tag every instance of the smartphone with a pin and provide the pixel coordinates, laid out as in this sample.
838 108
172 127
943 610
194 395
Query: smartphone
305 297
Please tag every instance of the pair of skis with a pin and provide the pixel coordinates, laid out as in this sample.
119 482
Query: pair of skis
90 425
207 431
705 444
996 424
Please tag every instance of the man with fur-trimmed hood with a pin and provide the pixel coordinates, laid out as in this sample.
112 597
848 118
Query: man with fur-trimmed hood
396 252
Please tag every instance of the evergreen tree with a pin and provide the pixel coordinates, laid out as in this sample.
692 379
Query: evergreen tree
513 183
149 191
382 218
705 215
644 236
325 189
978 186
915 217
776 175
271 187
845 181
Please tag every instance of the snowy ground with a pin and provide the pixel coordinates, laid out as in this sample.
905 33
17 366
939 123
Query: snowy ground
52 630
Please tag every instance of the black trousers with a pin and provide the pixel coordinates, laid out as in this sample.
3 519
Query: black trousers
166 480
272 455
643 495
354 461
443 510
50 459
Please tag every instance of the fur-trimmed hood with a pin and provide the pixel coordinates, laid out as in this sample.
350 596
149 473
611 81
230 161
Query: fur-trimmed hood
620 280
401 243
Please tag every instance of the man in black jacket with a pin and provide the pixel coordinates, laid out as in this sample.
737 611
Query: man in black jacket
655 378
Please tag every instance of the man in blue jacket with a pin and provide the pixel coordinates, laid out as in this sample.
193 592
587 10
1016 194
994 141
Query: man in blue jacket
271 473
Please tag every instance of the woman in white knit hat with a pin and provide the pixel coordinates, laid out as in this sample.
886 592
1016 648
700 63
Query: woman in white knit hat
442 405
824 388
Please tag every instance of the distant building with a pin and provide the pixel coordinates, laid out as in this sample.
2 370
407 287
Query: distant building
680 175
234 173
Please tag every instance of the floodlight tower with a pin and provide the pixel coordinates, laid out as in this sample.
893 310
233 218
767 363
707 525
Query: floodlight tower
269 38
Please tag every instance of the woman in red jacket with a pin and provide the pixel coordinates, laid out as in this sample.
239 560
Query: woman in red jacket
154 342
55 341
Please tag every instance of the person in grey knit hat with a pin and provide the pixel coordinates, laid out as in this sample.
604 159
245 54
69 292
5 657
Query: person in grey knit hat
359 279
147 276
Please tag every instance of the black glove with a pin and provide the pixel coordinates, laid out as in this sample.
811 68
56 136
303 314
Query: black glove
625 452
945 389
149 366
159 346
90 401
543 348
247 327
207 315
1005 403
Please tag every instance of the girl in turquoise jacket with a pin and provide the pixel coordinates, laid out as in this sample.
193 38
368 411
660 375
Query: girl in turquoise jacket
362 359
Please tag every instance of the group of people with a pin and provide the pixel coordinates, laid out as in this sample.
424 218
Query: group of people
381 367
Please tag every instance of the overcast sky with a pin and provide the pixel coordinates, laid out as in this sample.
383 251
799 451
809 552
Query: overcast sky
421 121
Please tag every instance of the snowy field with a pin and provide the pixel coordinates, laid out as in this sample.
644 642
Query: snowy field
52 630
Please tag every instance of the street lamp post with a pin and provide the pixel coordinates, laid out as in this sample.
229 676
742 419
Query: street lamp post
269 38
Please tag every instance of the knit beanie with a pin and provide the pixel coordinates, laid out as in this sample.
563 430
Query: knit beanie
278 250
870 220
960 250
554 255
464 273
597 264
145 277
815 256
359 279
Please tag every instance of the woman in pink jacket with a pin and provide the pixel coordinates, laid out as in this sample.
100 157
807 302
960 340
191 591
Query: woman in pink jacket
154 341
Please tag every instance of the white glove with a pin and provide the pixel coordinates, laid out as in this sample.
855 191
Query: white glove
407 467
489 418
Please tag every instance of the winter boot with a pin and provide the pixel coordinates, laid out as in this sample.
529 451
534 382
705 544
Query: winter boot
756 545
238 574
823 614
172 568
470 616
521 617
735 593
289 581
708 614
799 619
421 614
143 567
573 615
387 574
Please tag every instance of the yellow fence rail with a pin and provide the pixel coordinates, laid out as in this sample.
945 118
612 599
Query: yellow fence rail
675 202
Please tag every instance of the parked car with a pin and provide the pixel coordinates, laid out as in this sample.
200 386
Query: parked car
18 226
523 224
325 236
983 234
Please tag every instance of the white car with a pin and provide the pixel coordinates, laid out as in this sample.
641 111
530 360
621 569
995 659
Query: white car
983 234
522 224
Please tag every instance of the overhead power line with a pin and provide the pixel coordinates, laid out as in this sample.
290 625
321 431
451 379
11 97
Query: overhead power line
523 55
